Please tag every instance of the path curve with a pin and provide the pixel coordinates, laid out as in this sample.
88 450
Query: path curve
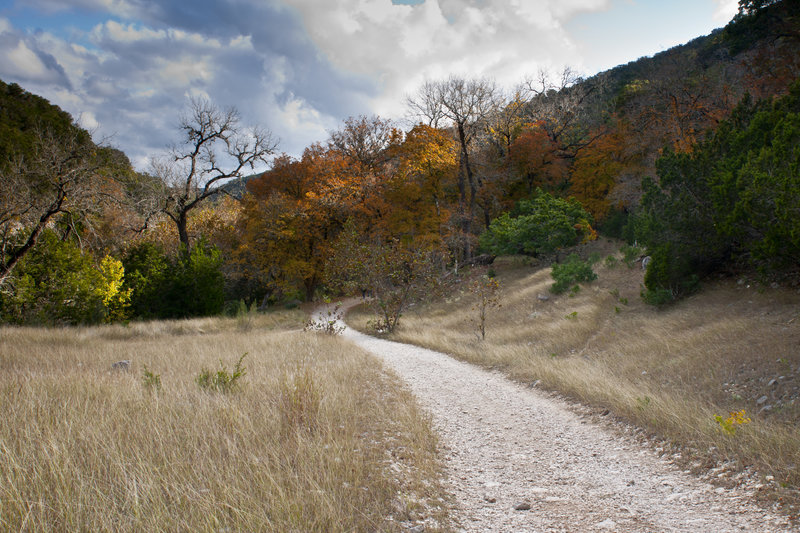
506 444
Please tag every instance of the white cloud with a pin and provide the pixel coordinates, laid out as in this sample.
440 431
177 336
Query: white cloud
401 45
23 62
726 9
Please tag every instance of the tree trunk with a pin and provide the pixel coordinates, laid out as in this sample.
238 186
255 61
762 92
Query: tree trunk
183 234
19 253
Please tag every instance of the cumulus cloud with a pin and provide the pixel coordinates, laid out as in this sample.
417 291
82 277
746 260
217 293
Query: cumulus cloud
401 45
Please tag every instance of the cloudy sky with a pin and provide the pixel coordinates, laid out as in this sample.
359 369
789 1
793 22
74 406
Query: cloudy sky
126 68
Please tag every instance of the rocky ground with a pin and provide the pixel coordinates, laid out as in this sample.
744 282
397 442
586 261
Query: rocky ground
519 459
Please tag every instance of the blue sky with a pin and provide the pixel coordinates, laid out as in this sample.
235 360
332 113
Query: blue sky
126 68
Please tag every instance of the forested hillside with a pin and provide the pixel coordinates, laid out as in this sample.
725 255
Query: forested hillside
701 138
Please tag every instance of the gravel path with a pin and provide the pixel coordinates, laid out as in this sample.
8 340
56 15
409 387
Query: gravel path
506 444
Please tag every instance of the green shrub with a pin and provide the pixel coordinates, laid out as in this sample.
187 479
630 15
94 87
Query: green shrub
58 283
630 254
729 202
222 380
571 272
542 224
190 284
669 276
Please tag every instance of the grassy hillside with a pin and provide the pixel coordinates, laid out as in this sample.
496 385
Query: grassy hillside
317 437
730 348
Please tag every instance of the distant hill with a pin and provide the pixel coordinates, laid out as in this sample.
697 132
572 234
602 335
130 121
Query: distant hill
22 114
674 97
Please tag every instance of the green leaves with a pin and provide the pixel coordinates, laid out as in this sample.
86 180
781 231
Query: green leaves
542 224
735 198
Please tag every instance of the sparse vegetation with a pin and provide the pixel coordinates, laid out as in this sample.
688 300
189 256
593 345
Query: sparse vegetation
487 290
151 381
571 272
222 380
84 448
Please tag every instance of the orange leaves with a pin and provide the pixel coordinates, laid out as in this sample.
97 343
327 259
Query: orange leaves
534 156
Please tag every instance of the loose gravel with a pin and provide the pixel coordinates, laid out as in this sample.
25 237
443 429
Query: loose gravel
520 460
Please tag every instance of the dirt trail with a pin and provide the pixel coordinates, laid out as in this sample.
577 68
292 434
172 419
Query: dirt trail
507 444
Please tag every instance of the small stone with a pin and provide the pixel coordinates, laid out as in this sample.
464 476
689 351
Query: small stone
490 499
607 524
122 366
762 400
416 529
772 383
543 297
522 506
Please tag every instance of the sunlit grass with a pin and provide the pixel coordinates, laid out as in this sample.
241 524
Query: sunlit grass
317 437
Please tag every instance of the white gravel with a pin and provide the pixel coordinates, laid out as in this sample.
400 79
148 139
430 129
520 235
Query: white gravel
507 444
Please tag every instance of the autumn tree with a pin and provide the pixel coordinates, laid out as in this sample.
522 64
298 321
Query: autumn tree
465 105
215 148
291 216
567 107
421 189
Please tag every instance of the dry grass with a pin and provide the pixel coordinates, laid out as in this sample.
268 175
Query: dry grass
669 371
317 438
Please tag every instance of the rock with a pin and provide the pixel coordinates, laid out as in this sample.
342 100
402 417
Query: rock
522 506
490 499
543 297
416 529
762 400
122 366
607 524
772 383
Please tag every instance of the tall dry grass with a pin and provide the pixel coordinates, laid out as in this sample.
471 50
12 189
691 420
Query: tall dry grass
670 371
318 437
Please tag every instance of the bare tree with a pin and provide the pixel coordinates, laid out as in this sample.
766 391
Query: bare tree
215 149
364 139
564 106
60 175
465 104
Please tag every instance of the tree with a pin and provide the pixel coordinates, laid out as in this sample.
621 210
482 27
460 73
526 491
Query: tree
60 175
215 149
394 274
465 104
364 140
733 200
542 224
486 289
570 110
56 283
